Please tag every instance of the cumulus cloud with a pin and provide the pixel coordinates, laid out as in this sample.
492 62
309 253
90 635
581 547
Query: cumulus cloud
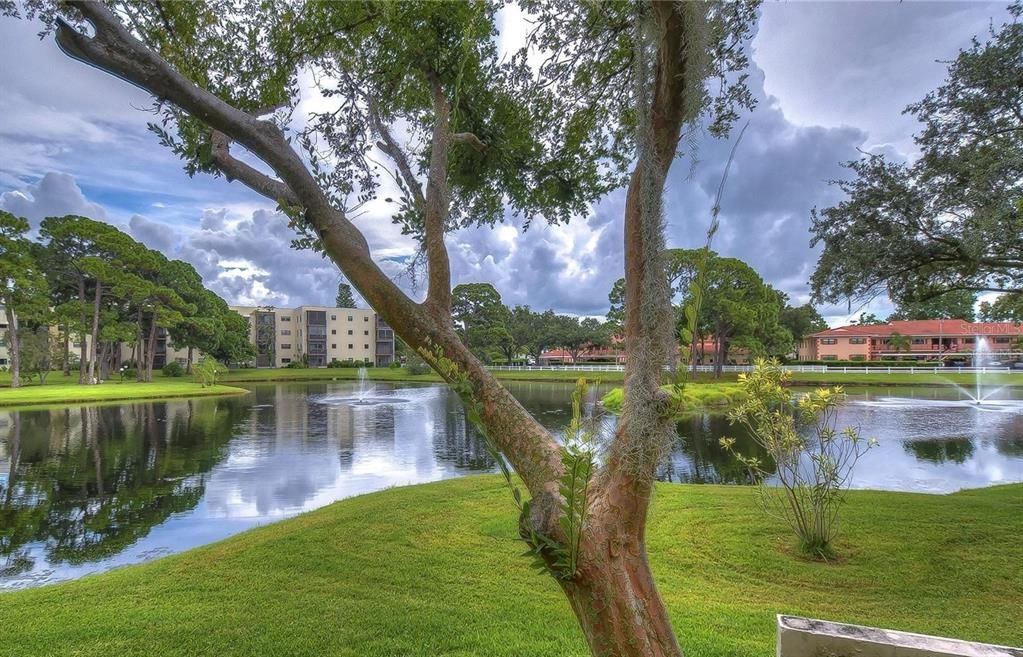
56 194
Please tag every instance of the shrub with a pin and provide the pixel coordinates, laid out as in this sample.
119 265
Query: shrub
173 369
395 365
206 371
813 460
294 365
129 373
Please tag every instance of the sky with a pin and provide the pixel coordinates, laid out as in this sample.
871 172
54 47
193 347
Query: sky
831 78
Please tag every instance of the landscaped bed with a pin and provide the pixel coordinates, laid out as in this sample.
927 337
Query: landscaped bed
435 570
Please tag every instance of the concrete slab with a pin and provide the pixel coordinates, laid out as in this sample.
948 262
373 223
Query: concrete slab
806 637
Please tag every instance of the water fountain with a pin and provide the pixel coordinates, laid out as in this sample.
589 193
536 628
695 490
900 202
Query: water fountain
981 398
362 396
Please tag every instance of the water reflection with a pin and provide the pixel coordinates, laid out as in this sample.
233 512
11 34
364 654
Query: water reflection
90 488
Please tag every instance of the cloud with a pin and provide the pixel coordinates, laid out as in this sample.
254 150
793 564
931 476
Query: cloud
153 234
56 194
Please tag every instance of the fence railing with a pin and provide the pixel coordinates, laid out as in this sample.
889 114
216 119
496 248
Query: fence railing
820 369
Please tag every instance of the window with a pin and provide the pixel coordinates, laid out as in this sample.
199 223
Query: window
333 331
829 357
349 318
350 332
285 319
285 331
969 340
365 346
285 360
351 347
858 357
365 332
366 318
1002 339
286 345
333 318
829 340
333 346
919 341
857 341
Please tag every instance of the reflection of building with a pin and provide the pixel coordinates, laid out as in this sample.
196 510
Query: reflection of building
931 339
317 335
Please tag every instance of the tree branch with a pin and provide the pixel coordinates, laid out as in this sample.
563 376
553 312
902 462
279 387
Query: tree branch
469 139
438 296
390 147
257 181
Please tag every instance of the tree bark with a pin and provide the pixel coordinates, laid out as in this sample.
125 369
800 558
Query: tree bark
14 347
188 365
83 347
151 349
67 351
94 341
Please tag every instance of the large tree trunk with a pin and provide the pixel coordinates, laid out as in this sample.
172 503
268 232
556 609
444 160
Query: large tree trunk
94 341
618 606
188 365
150 350
14 347
67 351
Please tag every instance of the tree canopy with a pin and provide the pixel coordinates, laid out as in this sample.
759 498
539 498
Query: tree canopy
952 219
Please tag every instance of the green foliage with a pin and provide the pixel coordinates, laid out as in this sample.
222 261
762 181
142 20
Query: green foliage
173 369
956 304
578 456
813 459
693 397
1006 308
345 298
801 321
206 371
892 233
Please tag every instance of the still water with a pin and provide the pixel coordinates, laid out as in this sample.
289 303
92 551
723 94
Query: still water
86 489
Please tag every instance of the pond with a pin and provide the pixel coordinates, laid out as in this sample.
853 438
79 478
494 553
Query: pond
89 488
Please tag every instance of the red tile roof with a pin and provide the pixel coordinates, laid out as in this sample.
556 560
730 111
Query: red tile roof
936 327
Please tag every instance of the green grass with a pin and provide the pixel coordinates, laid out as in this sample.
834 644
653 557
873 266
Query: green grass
701 396
568 376
435 570
59 391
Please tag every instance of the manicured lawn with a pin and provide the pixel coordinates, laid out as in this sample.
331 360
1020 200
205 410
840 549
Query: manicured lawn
59 391
434 570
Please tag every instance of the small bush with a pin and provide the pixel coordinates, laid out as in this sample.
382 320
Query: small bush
395 365
129 373
814 461
294 365
206 371
172 369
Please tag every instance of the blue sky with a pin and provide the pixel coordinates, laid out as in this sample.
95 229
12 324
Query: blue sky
831 78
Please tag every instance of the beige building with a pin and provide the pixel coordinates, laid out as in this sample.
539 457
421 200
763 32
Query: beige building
317 335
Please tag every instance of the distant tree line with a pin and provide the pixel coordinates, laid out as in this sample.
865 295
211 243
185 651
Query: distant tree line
100 288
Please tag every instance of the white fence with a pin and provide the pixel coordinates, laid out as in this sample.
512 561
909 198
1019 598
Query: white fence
821 369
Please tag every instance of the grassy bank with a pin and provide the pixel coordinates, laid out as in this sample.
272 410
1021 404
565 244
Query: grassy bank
570 376
61 392
435 570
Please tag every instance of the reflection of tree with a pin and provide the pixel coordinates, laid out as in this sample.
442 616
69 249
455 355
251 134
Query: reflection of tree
459 442
698 457
98 479
956 450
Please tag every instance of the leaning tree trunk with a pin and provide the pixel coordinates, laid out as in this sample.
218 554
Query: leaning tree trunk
14 347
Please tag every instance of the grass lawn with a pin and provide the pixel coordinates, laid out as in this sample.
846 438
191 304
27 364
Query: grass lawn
434 570
58 390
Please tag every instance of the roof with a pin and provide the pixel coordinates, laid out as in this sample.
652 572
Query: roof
935 327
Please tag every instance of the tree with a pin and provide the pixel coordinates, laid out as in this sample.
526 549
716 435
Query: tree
951 220
480 317
801 321
957 304
491 135
345 298
1006 308
37 347
23 289
869 319
899 343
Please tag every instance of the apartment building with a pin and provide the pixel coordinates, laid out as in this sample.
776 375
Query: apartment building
5 356
317 335
930 339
